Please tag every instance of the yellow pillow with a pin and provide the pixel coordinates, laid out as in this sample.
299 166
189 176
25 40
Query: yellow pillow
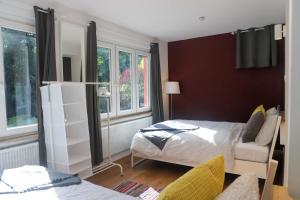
204 182
259 109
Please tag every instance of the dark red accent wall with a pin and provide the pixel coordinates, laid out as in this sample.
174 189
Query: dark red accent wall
212 88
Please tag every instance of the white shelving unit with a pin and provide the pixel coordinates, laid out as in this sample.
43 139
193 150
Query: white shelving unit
66 128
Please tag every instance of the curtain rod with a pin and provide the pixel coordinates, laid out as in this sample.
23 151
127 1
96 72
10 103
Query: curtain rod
245 31
70 82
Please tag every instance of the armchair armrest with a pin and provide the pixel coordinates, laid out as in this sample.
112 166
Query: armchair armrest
244 187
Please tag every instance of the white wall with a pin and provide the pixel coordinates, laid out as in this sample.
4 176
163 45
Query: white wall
74 52
76 67
122 134
294 98
163 51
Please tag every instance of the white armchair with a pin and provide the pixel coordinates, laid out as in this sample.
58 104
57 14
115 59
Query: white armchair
245 187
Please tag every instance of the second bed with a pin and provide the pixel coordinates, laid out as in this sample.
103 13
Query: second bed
199 142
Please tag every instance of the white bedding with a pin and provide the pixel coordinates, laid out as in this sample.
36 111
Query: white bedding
196 146
84 191
251 151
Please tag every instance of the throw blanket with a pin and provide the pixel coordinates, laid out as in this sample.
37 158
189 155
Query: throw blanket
160 133
30 178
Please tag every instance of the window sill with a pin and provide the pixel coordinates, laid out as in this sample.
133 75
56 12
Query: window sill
127 118
16 140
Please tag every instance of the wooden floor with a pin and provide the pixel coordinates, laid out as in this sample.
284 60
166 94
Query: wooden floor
152 173
158 175
280 193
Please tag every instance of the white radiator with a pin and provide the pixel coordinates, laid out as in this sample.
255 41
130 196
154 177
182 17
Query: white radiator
20 155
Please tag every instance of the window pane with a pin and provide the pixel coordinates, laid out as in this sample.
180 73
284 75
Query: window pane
103 63
19 55
142 78
125 80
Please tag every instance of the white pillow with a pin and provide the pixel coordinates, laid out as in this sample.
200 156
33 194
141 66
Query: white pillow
266 133
244 187
272 111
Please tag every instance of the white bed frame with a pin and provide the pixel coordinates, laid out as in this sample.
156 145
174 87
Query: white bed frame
240 167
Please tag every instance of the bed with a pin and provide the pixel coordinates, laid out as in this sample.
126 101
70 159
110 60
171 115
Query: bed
195 146
36 182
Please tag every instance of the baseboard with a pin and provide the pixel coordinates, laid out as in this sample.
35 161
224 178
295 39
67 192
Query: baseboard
119 155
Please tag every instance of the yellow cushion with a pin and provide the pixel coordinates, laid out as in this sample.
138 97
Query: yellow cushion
204 182
259 109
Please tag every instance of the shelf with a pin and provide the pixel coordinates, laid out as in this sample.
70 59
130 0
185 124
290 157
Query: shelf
74 141
73 103
77 159
86 173
75 112
70 148
78 171
79 165
75 122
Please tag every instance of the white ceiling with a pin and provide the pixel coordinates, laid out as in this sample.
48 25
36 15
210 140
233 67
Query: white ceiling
171 20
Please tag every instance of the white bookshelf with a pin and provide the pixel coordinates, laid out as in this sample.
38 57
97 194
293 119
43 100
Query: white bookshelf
66 128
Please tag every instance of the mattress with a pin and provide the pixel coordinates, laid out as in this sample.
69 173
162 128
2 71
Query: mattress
251 152
83 191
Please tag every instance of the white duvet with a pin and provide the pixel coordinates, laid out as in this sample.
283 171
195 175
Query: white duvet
193 147
83 191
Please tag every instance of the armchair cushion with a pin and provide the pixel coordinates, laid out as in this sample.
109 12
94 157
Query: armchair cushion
204 182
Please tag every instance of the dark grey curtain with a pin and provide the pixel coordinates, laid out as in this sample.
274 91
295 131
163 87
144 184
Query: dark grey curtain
91 96
256 48
46 68
156 91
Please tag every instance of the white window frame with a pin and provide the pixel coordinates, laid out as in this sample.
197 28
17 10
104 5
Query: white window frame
4 130
112 70
148 55
133 86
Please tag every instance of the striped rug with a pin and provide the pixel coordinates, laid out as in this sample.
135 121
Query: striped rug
132 188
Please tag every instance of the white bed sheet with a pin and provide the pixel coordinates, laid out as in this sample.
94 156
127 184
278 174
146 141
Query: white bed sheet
194 147
84 191
251 151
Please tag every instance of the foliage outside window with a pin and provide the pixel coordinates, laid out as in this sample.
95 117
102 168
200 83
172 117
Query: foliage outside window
125 81
103 63
19 64
142 76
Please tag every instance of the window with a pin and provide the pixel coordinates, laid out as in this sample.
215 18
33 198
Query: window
106 70
18 64
143 73
125 73
125 80
104 63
